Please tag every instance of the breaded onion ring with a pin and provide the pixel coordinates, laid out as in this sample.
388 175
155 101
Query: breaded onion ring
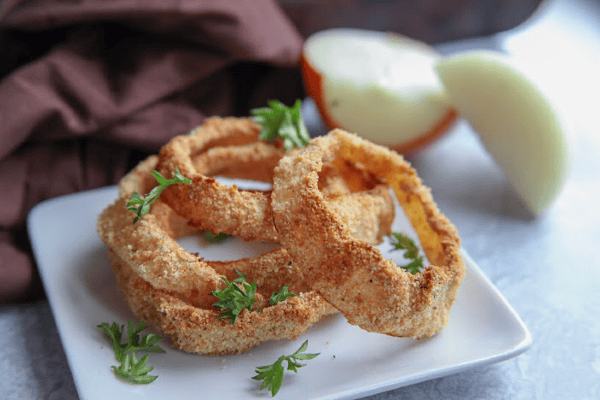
199 330
371 291
207 203
140 180
230 147
170 288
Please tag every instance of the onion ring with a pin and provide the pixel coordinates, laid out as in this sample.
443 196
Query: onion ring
371 291
170 288
140 180
200 331
231 147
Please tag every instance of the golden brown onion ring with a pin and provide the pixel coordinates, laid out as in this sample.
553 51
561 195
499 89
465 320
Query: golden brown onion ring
169 287
207 203
198 330
371 291
230 147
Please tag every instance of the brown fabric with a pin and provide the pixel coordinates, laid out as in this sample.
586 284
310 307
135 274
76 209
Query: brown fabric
90 87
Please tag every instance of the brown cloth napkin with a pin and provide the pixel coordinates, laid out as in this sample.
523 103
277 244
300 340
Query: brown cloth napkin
88 88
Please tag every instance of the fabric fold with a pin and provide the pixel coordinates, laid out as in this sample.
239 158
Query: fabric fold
88 88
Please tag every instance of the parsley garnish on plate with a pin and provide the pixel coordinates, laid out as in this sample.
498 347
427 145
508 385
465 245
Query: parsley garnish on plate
132 369
278 120
272 375
403 242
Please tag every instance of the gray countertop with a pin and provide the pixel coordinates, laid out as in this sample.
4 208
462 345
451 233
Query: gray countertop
547 266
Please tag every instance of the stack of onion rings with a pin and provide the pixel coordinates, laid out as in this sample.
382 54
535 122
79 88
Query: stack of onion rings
169 287
370 291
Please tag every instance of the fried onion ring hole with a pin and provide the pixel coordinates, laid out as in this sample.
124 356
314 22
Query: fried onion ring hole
371 291
170 288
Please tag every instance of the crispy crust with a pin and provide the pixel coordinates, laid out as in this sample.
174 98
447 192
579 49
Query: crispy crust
361 200
200 331
170 288
156 257
371 292
209 204
230 147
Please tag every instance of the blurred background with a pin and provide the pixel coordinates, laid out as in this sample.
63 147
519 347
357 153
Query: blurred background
432 21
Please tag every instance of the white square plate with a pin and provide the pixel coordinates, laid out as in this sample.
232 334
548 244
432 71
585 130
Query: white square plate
83 293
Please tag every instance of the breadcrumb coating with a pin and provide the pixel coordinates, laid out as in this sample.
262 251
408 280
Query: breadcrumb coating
170 288
371 291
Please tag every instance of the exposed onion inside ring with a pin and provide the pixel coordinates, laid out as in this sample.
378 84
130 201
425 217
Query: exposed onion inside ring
371 291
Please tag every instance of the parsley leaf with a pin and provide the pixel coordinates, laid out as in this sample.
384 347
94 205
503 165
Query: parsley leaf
278 120
131 369
218 238
403 242
233 298
141 206
283 294
272 375
134 370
